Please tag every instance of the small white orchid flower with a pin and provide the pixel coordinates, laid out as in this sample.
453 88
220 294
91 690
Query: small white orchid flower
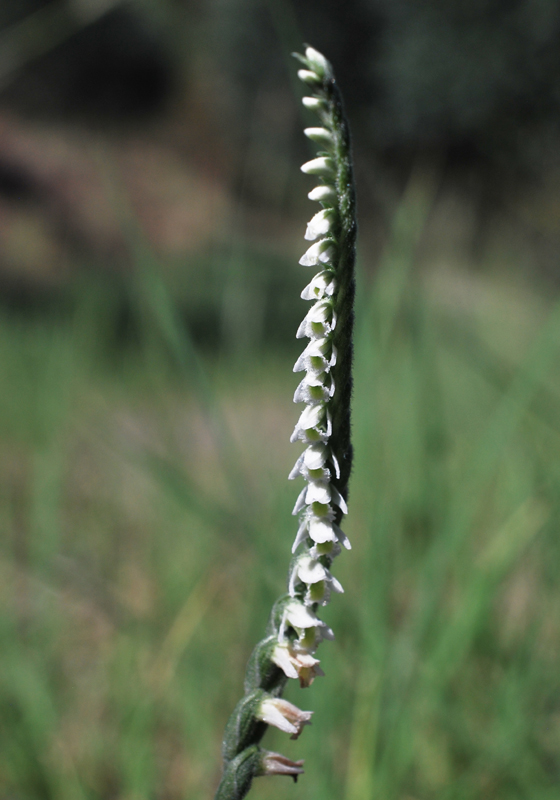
310 639
296 663
319 356
314 425
299 617
322 285
318 492
283 715
307 76
311 463
277 764
323 194
322 165
316 577
320 224
315 388
321 136
314 103
319 321
318 62
322 252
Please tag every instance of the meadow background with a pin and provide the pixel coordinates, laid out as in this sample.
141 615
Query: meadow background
152 216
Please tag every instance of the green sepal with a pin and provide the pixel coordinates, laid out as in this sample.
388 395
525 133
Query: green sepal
239 773
275 619
262 672
243 728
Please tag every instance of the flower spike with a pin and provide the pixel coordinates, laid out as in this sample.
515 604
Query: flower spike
295 630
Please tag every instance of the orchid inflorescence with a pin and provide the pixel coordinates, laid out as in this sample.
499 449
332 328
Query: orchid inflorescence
294 629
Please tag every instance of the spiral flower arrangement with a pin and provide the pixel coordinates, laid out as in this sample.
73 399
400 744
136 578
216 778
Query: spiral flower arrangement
294 630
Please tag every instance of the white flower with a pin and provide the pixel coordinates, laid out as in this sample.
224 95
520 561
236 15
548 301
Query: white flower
331 549
323 284
318 524
321 529
311 463
323 194
318 62
318 492
321 136
307 76
276 764
298 616
319 321
319 356
320 224
314 103
296 663
322 165
322 252
314 425
283 715
317 578
310 638
315 388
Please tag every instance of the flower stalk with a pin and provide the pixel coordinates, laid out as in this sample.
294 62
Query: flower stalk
294 630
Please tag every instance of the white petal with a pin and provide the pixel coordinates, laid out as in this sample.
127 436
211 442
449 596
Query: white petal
299 616
315 456
322 165
321 530
319 321
319 225
281 657
321 136
318 357
314 388
318 61
307 76
336 586
319 253
311 571
313 103
272 716
300 502
323 284
318 492
335 462
341 536
301 535
296 470
323 194
339 500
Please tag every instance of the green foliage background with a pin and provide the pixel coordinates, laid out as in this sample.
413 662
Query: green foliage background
145 512
147 529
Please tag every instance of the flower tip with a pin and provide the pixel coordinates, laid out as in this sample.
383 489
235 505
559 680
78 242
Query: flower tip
277 764
307 76
323 194
322 165
318 62
314 103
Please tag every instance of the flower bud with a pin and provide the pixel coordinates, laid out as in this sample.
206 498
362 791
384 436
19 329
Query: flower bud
323 194
318 62
321 224
314 103
307 76
322 165
320 136
283 715
276 764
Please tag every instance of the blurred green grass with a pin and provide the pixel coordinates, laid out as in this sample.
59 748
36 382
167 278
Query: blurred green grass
147 531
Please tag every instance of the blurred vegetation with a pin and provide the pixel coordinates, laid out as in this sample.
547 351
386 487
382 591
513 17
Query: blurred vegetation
145 406
147 531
